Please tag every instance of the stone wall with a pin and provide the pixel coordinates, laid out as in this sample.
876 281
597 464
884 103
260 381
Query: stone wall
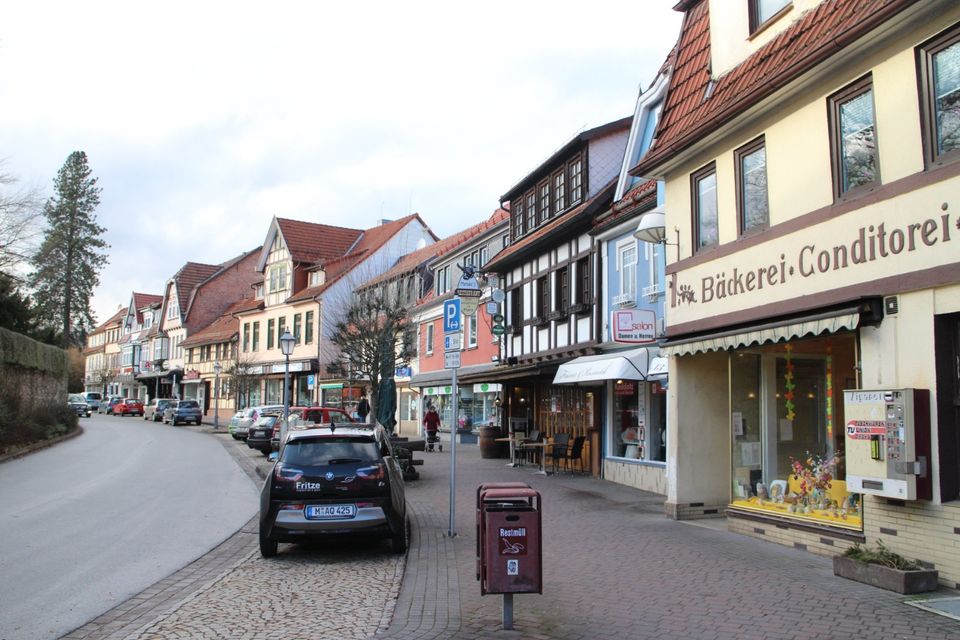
36 372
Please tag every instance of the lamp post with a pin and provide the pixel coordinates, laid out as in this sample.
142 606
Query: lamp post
216 394
286 347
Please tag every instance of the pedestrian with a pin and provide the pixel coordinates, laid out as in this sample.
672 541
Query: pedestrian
431 423
363 407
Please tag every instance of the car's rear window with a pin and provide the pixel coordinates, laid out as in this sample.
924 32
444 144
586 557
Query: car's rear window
267 421
321 451
77 398
190 404
93 396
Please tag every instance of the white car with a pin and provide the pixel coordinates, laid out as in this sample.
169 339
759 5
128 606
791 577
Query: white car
241 422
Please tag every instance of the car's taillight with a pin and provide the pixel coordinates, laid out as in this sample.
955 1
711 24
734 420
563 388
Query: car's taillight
293 506
365 505
287 474
376 472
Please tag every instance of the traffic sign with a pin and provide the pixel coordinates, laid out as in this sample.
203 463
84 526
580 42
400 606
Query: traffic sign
492 307
498 318
451 316
497 330
453 342
451 360
498 295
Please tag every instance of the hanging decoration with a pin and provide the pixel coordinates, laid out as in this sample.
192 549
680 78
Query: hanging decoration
830 395
789 384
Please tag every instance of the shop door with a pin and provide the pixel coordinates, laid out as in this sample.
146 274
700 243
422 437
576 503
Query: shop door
947 347
206 397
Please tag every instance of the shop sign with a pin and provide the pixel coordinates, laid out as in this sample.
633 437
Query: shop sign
280 368
864 429
403 372
634 326
624 388
191 374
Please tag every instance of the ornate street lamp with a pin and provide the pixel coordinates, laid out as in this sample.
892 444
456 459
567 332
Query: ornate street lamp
286 347
216 393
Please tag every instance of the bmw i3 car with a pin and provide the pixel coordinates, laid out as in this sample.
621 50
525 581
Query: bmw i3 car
334 480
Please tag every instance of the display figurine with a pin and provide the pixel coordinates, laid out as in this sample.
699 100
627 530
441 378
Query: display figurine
762 491
776 493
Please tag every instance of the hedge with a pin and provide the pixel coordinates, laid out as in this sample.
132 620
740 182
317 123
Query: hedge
21 351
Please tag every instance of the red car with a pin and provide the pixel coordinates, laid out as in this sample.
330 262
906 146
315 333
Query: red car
128 406
317 415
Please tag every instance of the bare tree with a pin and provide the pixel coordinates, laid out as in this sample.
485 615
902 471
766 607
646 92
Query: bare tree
20 228
241 377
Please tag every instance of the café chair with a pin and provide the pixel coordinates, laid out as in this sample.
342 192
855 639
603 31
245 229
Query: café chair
575 454
558 448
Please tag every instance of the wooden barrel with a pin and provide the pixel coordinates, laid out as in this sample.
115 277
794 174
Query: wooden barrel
489 447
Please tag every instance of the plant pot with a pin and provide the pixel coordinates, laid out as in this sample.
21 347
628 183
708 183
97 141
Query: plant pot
877 575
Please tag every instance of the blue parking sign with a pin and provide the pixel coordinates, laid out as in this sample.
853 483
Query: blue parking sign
451 315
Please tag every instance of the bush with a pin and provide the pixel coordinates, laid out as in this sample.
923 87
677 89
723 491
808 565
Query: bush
21 426
881 555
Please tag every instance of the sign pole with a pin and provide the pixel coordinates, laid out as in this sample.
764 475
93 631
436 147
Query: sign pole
453 455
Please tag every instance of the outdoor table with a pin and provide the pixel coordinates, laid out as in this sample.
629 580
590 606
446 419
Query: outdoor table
540 445
513 449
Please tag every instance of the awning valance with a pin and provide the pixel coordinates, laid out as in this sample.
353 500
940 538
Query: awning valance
631 364
843 319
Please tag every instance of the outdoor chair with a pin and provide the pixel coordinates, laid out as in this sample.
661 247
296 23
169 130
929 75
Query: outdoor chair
530 453
575 454
558 448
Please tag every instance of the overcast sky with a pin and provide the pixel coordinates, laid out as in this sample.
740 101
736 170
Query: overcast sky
202 120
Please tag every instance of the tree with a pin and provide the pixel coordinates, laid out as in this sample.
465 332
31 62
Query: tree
241 375
68 263
375 336
15 312
19 224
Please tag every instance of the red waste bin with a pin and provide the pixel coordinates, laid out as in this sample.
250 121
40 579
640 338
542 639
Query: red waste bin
511 558
484 486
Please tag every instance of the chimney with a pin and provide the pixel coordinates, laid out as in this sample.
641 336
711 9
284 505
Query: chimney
383 221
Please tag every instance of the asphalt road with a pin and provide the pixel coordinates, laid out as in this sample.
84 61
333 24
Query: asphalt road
90 522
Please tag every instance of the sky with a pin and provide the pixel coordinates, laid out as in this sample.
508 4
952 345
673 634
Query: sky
203 120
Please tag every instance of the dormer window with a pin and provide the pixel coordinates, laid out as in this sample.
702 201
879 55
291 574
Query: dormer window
764 11
278 278
315 278
173 311
259 292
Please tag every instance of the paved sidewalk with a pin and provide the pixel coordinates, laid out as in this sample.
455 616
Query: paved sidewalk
615 566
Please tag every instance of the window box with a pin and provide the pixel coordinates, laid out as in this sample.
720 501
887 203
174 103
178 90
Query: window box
580 308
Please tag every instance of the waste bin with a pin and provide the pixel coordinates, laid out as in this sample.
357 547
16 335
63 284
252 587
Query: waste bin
481 488
511 558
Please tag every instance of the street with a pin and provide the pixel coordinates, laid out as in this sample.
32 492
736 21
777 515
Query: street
94 520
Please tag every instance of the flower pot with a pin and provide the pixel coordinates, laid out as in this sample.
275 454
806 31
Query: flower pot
877 575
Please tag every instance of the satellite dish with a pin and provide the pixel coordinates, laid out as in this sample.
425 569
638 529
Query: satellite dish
421 243
498 295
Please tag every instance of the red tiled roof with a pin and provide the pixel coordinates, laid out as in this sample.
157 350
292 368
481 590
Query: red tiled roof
189 276
220 330
143 300
246 305
218 298
688 114
112 320
310 242
638 198
414 259
556 225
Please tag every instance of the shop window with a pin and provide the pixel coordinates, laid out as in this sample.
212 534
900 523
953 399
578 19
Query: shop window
939 70
638 426
308 328
787 430
853 139
704 197
764 11
753 208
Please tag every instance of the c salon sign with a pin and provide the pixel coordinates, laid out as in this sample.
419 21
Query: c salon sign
634 326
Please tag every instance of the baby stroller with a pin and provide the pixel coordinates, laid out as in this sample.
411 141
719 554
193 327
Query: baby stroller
433 439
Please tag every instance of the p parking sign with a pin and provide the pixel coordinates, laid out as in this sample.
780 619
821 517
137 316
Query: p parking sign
451 316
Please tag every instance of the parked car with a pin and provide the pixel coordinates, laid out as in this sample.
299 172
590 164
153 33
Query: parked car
107 407
260 434
93 399
315 415
182 411
334 480
154 410
250 415
128 406
79 404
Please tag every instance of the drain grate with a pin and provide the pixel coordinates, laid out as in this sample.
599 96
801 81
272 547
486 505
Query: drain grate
947 607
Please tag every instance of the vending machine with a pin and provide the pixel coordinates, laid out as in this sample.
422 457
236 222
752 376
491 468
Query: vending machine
887 435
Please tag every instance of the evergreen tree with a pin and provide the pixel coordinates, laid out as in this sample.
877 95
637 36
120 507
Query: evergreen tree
67 265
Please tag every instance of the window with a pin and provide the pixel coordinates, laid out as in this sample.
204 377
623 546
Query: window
518 219
260 291
543 298
429 338
531 207
516 305
173 311
939 63
246 337
190 356
753 208
308 321
505 240
627 266
853 138
256 336
278 278
270 333
472 331
563 290
315 278
544 201
704 186
584 295
762 11
443 280
575 170
484 255
281 327
297 326
559 192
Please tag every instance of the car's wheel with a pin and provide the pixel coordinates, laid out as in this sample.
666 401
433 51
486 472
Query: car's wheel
268 547
398 542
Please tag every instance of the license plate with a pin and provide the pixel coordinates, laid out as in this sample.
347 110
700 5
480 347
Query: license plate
325 511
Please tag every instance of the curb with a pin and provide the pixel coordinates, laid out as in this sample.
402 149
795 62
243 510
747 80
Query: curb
39 446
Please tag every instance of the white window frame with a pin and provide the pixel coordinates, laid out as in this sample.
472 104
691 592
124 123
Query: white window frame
622 268
472 331
173 310
429 339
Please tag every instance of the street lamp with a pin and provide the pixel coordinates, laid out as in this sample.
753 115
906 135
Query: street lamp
216 394
286 347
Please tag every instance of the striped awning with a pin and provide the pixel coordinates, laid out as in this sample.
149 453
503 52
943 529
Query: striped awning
845 319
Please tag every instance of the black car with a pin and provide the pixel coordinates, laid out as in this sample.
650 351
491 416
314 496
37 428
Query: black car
260 433
182 411
79 404
334 480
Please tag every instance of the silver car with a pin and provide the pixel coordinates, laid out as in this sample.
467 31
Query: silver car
240 427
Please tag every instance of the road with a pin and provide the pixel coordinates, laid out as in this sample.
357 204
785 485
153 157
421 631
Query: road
94 520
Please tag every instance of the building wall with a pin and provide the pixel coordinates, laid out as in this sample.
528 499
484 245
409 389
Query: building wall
604 157
640 476
222 290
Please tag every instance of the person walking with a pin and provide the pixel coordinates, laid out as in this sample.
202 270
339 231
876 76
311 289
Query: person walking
363 407
431 423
